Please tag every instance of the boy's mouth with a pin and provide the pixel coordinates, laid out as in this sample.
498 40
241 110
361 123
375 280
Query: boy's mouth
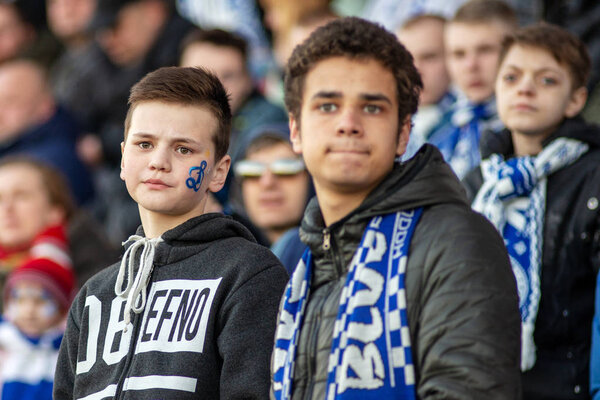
523 107
155 183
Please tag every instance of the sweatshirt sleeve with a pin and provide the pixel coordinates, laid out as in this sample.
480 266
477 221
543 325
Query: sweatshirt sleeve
246 338
468 337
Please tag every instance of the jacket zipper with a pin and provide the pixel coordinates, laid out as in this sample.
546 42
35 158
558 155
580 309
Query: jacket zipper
328 245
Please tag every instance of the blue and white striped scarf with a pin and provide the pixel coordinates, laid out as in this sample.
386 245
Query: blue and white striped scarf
371 352
513 198
459 141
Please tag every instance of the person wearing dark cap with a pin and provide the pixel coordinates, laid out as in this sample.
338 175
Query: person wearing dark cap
37 297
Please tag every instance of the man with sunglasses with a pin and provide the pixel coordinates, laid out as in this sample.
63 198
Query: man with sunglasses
406 292
272 188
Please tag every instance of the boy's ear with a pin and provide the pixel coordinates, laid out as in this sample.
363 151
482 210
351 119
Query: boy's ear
295 134
219 174
404 135
122 161
577 102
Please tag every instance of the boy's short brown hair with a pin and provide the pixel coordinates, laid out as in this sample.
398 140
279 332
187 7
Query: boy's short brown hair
483 11
186 86
354 38
216 37
565 47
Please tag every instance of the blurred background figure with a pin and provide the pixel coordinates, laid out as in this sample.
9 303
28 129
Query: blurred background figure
225 54
472 40
241 17
31 122
38 219
272 189
423 37
37 297
80 77
24 33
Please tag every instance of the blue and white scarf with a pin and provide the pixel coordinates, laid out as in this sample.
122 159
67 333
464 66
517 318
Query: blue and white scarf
513 198
459 140
371 352
427 120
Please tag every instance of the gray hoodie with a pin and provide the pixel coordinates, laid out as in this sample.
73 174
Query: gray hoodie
206 330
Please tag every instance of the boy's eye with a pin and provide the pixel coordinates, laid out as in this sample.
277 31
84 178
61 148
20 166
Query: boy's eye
509 78
548 81
327 107
144 145
183 150
372 109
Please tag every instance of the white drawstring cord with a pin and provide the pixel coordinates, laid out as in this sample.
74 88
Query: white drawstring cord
135 287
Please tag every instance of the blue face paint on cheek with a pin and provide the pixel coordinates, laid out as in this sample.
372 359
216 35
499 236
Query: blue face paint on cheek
196 183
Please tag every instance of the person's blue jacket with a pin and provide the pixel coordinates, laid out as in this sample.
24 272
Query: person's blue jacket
54 142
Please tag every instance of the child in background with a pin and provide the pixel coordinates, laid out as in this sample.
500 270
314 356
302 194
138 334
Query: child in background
35 204
540 188
37 296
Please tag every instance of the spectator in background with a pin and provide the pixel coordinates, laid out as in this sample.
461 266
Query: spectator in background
37 297
472 39
31 122
23 32
423 37
38 219
540 186
280 16
242 17
224 53
79 77
273 189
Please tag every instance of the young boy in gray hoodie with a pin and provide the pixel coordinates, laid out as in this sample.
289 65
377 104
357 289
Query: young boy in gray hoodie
190 310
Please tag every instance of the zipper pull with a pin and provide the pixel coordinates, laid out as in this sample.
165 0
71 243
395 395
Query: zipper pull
326 239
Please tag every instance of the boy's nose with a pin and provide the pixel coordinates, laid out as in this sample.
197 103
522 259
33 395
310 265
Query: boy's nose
349 123
526 86
160 160
267 179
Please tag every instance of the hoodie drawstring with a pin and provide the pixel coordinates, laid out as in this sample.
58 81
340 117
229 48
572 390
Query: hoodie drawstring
135 287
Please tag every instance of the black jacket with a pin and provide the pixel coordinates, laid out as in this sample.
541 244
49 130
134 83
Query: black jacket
206 331
461 294
570 260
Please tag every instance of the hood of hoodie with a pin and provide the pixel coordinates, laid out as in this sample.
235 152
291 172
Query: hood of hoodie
195 235
422 181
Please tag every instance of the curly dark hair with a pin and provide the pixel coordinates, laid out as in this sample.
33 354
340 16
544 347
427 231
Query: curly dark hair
354 38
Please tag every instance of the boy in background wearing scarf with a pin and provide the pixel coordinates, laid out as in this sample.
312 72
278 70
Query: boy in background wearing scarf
404 292
540 187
